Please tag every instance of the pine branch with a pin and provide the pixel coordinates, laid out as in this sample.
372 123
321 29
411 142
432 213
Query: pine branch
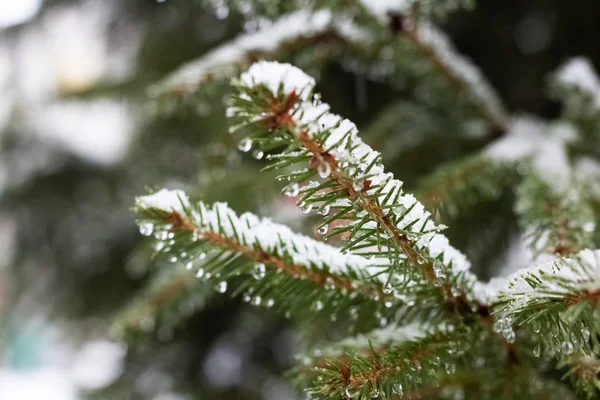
277 109
458 71
559 297
175 288
556 222
290 270
291 33
584 372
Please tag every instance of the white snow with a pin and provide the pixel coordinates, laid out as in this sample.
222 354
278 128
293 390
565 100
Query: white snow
381 9
167 200
272 74
99 131
540 143
579 74
97 364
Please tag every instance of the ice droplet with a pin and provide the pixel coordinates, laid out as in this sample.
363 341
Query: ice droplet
258 154
221 287
322 229
245 145
397 389
291 190
324 170
537 350
146 229
259 271
387 289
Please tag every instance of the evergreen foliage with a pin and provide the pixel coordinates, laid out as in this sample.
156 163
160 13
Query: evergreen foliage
425 326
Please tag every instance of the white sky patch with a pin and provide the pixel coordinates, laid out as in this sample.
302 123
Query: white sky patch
14 12
99 131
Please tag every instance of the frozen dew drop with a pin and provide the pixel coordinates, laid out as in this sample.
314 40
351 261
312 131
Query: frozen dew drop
585 333
146 229
509 335
397 389
245 145
258 154
387 289
189 265
292 190
306 208
566 347
161 235
200 273
256 301
322 229
270 303
324 170
221 287
351 392
259 272
537 350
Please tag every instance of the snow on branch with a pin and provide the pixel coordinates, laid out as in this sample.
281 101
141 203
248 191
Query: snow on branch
458 70
353 181
228 60
578 75
231 245
559 296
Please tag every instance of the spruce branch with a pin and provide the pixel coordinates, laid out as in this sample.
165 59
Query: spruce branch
283 267
299 30
584 373
276 108
558 298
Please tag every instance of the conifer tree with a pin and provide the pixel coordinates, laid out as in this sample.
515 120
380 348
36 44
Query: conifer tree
417 320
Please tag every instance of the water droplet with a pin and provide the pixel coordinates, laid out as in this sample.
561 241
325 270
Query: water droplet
388 304
324 170
387 289
189 265
256 301
383 322
259 272
221 287
509 335
247 298
567 347
589 226
270 303
306 208
324 210
258 154
537 350
202 256
161 235
585 333
537 326
374 393
397 389
146 229
200 273
323 229
319 305
245 145
351 392
450 368
173 259
292 190
171 235
357 185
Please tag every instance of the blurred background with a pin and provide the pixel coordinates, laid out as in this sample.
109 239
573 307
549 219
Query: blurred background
79 138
